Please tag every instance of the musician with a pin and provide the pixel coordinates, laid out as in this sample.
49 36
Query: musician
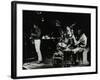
78 45
66 44
81 49
35 35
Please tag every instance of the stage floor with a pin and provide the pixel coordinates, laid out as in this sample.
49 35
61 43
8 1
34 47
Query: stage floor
49 64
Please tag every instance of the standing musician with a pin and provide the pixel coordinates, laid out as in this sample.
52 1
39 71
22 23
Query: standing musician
35 35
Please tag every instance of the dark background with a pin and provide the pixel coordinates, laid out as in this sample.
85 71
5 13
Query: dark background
48 26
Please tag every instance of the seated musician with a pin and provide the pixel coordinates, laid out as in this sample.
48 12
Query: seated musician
58 56
81 49
78 46
76 49
66 44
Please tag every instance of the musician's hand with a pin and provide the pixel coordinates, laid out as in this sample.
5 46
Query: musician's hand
32 42
77 43
67 49
30 38
32 34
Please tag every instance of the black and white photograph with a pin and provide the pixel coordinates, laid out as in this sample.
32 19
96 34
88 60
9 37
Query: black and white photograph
53 39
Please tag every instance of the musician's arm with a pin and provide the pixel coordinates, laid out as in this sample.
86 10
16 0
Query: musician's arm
33 34
75 41
83 41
